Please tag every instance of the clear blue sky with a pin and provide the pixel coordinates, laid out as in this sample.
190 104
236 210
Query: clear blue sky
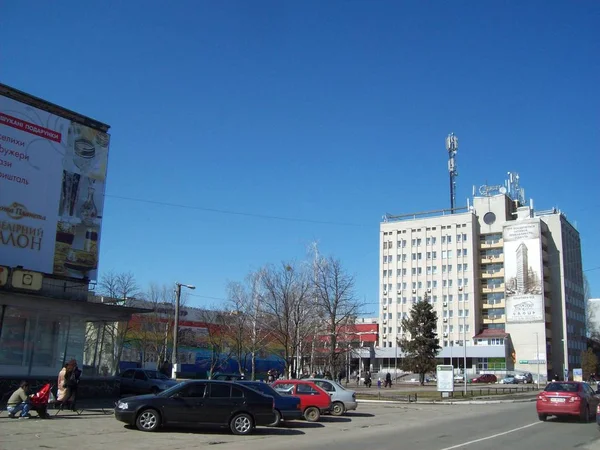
331 111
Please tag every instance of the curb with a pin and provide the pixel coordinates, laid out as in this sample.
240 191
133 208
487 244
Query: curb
466 402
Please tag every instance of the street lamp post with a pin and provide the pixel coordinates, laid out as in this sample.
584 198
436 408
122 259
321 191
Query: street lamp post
176 326
465 352
537 351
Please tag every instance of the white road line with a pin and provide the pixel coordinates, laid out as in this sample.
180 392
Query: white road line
464 444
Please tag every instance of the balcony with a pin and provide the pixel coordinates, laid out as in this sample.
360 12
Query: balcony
546 272
493 289
547 287
500 304
494 319
489 259
492 274
497 243
544 241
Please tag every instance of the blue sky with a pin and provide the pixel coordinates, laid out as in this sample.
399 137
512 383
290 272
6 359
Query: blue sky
331 111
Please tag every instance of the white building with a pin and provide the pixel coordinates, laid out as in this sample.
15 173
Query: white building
594 316
503 279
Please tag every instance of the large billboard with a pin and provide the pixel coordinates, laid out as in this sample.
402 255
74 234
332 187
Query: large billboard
52 179
524 290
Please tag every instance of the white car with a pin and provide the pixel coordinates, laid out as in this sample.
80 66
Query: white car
342 399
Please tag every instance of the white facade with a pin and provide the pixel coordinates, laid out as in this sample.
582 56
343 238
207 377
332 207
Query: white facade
429 257
498 274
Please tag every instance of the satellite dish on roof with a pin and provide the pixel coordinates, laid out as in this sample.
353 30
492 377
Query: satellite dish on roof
502 190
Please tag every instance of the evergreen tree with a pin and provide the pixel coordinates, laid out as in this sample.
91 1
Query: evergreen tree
420 343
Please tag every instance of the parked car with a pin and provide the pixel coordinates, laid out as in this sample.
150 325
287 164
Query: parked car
567 398
459 378
202 402
485 378
287 407
142 381
525 378
508 380
227 376
342 399
314 401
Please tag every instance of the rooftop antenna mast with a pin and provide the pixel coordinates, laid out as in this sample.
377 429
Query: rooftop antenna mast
452 147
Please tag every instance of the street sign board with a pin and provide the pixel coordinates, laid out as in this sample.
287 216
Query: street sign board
445 378
577 375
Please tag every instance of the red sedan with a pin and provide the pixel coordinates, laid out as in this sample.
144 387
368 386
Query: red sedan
567 398
485 378
313 399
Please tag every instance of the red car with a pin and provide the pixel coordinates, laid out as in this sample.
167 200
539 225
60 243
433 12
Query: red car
485 378
567 398
313 400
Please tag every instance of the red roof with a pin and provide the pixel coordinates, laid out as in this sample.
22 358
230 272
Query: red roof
491 333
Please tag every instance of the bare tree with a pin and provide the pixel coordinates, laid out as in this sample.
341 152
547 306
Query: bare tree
286 303
111 338
336 302
239 326
216 339
590 320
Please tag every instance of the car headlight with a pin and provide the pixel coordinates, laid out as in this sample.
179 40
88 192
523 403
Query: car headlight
122 405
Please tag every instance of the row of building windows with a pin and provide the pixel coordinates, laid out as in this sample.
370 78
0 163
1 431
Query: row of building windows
461 282
430 270
445 254
433 299
448 314
418 230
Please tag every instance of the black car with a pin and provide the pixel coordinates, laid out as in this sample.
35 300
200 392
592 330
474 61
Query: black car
287 407
202 402
227 376
142 381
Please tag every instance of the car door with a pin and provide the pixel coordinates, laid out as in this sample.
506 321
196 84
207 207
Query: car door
219 403
127 381
326 386
187 405
591 396
140 383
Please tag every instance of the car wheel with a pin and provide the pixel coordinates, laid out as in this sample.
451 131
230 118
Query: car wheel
585 415
312 414
148 420
337 409
241 424
542 417
277 421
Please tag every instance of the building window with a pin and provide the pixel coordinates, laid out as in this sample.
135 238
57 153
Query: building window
465 267
414 256
390 258
444 254
404 300
450 297
404 257
428 270
434 270
434 283
449 254
449 268
459 280
413 271
419 255
419 242
444 268
464 237
467 326
466 297
433 240
428 255
420 284
443 239
449 239
433 255
434 298
414 284
451 328
428 241
460 297
449 283
464 252
419 270
413 243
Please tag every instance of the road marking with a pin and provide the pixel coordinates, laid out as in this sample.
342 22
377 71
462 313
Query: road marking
493 436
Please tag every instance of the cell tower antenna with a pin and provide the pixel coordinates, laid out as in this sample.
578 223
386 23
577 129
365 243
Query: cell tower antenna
452 147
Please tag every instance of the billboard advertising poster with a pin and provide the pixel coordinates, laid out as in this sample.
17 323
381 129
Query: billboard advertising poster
523 288
52 178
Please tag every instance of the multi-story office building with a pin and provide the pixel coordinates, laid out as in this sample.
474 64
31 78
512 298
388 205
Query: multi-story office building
506 283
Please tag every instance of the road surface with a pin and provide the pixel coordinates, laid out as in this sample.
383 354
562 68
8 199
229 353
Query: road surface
373 426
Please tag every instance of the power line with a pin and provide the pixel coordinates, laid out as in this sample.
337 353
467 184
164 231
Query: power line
236 213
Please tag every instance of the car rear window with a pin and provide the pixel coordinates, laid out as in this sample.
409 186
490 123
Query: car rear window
220 390
562 387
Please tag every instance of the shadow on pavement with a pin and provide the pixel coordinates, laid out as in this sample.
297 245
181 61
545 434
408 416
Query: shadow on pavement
261 431
570 419
358 414
333 419
302 424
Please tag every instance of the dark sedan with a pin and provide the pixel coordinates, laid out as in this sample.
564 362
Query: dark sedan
204 402
287 407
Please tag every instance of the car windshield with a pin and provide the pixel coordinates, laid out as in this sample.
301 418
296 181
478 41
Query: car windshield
562 387
154 375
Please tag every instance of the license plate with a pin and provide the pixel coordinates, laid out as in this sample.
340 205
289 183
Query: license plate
557 400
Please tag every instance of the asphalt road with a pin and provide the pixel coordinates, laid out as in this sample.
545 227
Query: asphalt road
373 426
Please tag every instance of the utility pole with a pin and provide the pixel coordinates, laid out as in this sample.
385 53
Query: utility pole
465 351
176 327
537 351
